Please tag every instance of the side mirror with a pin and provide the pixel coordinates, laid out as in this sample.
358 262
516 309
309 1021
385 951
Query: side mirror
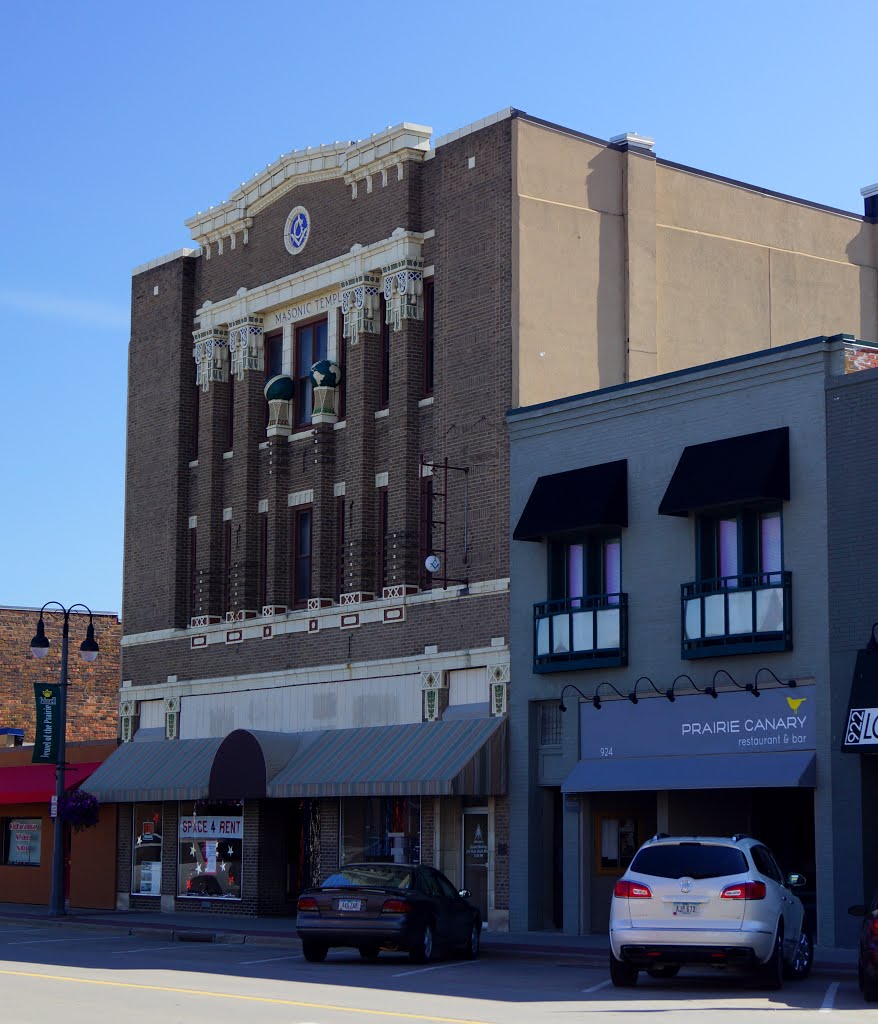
464 894
858 910
795 881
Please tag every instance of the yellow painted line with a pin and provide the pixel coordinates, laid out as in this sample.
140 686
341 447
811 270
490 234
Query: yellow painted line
243 998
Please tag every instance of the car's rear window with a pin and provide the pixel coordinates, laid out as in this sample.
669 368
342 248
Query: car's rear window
695 860
383 876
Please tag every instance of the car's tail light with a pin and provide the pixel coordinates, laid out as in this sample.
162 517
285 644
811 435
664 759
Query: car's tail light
632 890
396 906
744 891
307 904
873 928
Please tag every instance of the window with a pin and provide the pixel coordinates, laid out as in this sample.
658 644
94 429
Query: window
384 381
617 843
584 621
146 866
426 531
227 566
740 601
381 829
590 567
311 342
342 361
210 849
744 543
692 859
262 577
274 359
230 414
340 547
193 572
196 423
22 841
428 337
300 546
383 538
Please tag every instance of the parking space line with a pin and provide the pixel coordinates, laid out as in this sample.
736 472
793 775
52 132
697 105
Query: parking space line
829 999
144 949
270 960
438 967
35 942
598 987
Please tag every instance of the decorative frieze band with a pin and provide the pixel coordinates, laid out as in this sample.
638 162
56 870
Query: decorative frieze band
211 356
404 292
359 300
245 345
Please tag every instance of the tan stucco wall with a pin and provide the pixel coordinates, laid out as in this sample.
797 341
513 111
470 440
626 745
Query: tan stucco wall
624 267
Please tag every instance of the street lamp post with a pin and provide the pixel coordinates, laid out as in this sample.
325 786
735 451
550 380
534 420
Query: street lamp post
88 651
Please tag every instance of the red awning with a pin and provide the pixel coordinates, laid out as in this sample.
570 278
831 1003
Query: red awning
35 783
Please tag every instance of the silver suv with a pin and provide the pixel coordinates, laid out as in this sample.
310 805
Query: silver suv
723 902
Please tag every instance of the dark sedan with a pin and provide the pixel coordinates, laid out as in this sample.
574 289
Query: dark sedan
867 959
375 907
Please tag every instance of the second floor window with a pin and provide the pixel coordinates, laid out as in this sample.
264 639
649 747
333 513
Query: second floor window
586 568
428 337
311 341
384 382
747 542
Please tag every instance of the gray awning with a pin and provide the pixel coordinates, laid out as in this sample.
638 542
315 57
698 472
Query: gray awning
466 757
159 770
713 771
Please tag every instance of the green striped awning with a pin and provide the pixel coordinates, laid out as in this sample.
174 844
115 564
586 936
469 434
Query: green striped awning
155 770
464 757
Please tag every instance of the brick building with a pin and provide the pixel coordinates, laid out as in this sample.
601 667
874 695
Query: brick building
310 687
93 706
26 827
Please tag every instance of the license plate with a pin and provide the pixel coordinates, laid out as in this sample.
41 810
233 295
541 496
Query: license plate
349 904
685 908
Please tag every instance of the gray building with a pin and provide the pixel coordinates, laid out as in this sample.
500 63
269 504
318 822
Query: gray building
692 583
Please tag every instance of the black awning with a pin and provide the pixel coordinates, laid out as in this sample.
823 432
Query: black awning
861 729
733 471
579 499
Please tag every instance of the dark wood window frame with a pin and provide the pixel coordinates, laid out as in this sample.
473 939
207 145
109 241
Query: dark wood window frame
340 533
227 566
341 359
384 380
302 404
273 358
193 572
429 336
262 579
383 546
301 561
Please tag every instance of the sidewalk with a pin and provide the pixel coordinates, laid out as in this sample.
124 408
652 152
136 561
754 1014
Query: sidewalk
590 950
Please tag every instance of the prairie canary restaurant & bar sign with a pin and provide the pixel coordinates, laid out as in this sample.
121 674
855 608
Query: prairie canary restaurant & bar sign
47 696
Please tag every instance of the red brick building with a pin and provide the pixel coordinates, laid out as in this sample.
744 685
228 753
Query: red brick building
26 827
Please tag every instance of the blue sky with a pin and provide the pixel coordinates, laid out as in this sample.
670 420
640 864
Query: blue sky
122 120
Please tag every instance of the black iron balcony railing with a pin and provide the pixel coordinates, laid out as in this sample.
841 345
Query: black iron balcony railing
737 615
581 632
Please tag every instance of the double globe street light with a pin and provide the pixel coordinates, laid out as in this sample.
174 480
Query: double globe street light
88 651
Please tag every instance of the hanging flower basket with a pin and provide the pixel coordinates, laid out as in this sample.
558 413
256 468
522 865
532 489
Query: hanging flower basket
79 809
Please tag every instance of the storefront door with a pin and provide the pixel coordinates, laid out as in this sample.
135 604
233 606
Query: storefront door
475 858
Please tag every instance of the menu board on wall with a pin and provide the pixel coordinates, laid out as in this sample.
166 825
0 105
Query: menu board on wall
24 841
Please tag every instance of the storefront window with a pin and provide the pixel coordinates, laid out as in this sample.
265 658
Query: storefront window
617 840
146 868
382 829
210 849
21 841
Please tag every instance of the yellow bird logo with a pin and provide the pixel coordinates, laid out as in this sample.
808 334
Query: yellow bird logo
47 694
795 702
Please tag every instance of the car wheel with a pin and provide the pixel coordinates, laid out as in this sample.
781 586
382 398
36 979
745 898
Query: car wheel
421 951
667 971
369 952
770 974
314 952
622 975
471 949
800 966
870 987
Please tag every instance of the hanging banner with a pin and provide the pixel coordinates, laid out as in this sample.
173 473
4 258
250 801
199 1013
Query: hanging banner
48 700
